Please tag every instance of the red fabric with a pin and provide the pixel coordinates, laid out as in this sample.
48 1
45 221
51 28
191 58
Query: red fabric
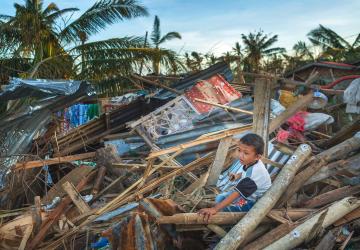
297 121
282 135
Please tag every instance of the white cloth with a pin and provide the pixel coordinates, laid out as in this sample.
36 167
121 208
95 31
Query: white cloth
352 97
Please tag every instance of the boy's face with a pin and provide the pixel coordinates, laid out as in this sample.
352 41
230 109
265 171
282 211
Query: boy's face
246 154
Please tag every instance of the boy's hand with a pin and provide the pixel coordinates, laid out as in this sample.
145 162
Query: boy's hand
233 177
207 213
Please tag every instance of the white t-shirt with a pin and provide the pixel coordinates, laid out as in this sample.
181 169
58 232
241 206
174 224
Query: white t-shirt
253 183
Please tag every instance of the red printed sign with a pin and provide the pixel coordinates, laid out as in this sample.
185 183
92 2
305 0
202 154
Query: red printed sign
215 89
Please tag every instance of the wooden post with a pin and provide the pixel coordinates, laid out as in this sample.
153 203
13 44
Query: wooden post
226 218
99 180
290 111
303 231
75 196
218 164
264 205
261 117
334 153
344 133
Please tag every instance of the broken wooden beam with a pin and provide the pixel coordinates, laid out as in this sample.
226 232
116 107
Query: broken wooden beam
331 196
156 84
225 107
99 180
76 198
52 161
218 164
226 218
337 152
290 111
344 133
261 117
303 231
213 137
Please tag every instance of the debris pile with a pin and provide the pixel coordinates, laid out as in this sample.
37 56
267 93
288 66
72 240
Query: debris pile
135 176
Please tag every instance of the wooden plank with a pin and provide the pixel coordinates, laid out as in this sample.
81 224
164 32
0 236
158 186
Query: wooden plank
218 164
26 237
227 108
225 218
74 177
331 196
52 161
270 237
99 180
214 137
76 198
261 117
55 215
332 154
290 111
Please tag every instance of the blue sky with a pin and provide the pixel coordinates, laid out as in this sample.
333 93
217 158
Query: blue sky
216 25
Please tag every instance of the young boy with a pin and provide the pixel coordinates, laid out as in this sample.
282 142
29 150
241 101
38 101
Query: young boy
254 179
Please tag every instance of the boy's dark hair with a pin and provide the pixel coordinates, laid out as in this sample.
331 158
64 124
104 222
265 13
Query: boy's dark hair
254 140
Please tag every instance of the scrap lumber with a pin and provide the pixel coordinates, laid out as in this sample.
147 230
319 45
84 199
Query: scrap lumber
52 161
211 138
290 111
303 231
99 180
355 214
226 218
225 107
156 84
76 198
331 196
337 152
343 134
55 215
74 177
26 237
335 168
218 164
261 117
263 206
270 237
328 241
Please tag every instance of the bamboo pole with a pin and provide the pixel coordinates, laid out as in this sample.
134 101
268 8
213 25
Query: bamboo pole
264 205
303 231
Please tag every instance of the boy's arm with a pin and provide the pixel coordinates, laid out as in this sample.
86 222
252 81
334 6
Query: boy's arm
208 212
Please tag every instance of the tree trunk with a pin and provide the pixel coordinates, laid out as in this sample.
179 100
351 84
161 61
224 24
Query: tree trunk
263 206
303 231
334 153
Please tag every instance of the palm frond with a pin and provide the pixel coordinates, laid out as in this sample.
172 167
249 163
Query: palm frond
169 36
156 33
101 14
59 13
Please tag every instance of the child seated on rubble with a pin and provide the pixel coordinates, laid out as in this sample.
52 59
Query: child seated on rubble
254 179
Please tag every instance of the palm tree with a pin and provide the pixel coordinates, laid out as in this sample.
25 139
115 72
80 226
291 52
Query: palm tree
302 51
56 50
333 45
257 46
237 51
165 56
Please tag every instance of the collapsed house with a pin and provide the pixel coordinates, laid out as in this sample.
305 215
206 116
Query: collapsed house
135 176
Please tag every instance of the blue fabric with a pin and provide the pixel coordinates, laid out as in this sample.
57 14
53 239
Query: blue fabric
234 208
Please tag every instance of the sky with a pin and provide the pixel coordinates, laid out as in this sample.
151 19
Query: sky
215 26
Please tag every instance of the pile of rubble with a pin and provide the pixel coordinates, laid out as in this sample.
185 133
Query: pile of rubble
135 177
